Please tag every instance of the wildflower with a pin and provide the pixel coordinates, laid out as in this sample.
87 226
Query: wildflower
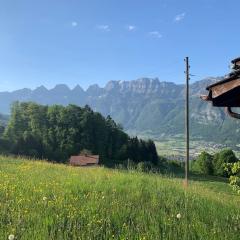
179 216
11 237
103 197
44 198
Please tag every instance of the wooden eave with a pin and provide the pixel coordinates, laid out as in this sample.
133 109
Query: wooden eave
225 93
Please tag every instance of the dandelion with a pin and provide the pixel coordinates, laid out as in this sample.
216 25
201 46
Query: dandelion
179 216
44 198
11 237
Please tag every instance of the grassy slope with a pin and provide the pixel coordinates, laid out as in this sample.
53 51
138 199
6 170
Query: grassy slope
98 203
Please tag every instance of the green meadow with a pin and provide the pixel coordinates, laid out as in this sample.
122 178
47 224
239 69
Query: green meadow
40 200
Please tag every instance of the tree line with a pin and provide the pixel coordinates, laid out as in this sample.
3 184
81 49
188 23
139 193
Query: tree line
57 132
215 164
223 164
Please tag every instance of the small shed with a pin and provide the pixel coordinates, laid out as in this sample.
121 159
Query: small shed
84 160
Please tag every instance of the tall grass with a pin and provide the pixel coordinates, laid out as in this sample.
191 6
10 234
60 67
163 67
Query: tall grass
39 200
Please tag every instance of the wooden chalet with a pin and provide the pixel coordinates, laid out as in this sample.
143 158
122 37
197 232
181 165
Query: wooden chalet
84 160
226 93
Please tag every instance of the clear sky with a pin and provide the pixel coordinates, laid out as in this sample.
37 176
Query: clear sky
84 42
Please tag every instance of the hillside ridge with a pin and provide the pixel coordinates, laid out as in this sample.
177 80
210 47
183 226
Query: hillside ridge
146 106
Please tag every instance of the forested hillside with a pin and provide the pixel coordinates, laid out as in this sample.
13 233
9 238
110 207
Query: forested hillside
57 132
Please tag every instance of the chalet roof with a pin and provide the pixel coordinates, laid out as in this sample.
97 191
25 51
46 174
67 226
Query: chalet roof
83 160
235 74
229 78
226 93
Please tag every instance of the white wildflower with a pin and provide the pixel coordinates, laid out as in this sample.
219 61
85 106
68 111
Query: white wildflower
44 198
11 237
179 216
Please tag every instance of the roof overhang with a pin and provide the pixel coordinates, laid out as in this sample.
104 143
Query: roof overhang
225 93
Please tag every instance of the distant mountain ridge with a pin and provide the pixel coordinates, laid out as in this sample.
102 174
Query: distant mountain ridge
144 106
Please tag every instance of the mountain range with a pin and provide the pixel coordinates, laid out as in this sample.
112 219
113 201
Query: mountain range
145 106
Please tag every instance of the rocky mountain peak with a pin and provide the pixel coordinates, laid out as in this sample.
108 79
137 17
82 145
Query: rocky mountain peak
94 90
61 88
40 89
145 105
112 85
78 89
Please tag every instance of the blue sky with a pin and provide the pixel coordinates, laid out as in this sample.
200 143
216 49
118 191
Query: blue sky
93 41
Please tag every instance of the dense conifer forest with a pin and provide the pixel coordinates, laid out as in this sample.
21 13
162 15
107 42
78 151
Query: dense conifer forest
57 132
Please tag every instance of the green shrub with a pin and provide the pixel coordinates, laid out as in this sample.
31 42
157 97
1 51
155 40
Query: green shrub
144 167
174 166
203 164
220 159
233 170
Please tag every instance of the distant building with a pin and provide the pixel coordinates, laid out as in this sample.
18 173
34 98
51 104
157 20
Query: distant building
84 160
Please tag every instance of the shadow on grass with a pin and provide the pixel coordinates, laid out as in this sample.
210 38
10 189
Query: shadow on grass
199 177
208 178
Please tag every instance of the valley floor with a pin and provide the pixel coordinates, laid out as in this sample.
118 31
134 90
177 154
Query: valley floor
174 148
40 200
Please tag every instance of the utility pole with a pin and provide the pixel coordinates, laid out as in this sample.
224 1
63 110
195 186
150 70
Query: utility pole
187 121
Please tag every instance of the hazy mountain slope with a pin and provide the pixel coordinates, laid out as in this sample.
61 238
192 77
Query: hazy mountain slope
3 120
143 106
